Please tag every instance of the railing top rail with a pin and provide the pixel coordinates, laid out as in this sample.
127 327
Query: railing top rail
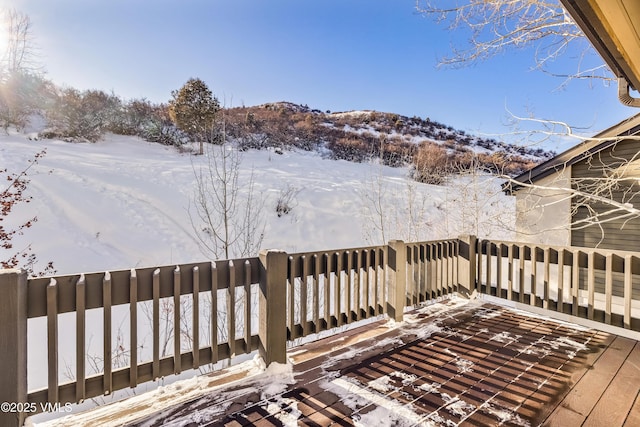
430 242
583 249
151 268
333 251
120 283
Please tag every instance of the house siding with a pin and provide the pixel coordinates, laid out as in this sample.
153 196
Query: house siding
622 233
543 214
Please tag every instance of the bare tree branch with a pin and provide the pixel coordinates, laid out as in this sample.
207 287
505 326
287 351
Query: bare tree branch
226 218
20 53
605 194
495 26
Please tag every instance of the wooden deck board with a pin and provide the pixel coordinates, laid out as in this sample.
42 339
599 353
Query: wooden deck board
633 419
583 397
618 399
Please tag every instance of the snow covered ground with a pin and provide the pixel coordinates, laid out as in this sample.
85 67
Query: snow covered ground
124 202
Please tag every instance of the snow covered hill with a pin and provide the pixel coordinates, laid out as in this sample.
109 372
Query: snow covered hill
124 202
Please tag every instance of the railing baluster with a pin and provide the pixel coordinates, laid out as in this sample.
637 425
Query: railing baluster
106 297
363 307
367 285
327 291
214 313
384 262
442 259
608 288
80 338
316 292
547 254
447 261
479 264
338 294
431 285
499 270
302 302
440 270
133 328
560 305
247 307
423 274
433 268
356 284
231 310
156 324
591 285
291 296
575 282
52 340
446 277
415 286
510 272
348 289
521 257
374 276
450 271
488 268
534 276
628 264
177 348
454 264
195 347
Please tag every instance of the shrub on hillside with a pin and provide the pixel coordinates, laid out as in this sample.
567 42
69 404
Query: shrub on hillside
82 116
287 200
397 152
22 94
131 117
158 127
431 164
352 149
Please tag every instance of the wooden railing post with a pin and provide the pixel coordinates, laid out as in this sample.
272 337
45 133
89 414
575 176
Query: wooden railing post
467 264
13 345
397 285
272 303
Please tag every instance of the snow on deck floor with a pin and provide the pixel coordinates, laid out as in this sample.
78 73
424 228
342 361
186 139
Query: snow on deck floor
449 363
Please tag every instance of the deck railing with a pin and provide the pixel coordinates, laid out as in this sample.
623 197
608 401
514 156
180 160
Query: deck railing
200 314
595 284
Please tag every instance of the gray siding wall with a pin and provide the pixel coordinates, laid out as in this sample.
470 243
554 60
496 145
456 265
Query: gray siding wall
614 162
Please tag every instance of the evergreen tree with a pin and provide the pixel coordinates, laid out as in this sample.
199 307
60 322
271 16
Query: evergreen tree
193 109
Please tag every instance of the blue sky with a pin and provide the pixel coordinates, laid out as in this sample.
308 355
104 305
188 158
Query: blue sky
333 55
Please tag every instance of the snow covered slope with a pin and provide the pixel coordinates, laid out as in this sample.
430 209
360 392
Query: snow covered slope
123 202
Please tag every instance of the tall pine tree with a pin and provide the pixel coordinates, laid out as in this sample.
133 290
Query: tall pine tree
193 109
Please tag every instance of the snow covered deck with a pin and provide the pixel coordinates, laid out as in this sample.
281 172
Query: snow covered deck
455 362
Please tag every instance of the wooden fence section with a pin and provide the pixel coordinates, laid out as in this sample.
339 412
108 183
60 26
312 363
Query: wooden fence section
333 288
432 270
596 284
220 290
201 313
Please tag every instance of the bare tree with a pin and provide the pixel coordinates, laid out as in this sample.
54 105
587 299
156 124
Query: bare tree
394 210
499 25
20 51
23 89
475 203
225 213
